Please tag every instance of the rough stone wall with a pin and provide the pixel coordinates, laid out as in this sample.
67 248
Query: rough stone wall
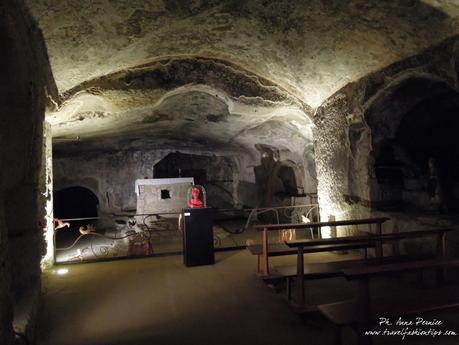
344 139
332 156
380 110
217 173
111 176
25 80
313 46
6 303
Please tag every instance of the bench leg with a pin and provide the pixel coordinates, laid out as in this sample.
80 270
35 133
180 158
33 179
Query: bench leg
265 253
364 312
420 277
441 276
300 277
441 252
338 335
288 291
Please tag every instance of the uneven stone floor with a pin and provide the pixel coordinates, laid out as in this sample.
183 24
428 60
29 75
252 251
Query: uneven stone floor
160 301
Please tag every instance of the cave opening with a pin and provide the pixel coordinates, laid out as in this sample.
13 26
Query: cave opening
428 133
74 203
416 161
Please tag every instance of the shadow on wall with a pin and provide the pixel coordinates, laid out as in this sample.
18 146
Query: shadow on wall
279 182
215 173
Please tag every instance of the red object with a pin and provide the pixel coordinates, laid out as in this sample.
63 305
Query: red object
195 201
139 245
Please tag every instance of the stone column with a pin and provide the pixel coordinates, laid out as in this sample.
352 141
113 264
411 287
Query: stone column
331 145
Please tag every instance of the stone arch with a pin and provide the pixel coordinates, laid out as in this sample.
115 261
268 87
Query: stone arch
174 72
75 202
401 118
89 183
415 85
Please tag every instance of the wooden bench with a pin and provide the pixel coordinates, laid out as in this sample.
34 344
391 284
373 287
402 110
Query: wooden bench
360 312
322 270
265 250
335 269
280 249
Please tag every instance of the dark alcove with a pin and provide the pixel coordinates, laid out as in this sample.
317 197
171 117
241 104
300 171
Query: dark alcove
75 202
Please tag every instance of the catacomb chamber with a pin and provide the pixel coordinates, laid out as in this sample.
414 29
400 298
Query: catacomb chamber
247 156
247 100
415 153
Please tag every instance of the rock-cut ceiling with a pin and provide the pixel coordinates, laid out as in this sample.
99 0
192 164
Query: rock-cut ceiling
230 71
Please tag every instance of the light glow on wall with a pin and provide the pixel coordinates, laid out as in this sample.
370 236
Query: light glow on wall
331 212
62 271
47 260
305 219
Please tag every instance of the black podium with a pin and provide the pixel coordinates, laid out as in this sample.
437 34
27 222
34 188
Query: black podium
198 236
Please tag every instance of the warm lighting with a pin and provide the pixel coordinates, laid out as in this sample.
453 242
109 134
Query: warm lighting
305 219
47 260
325 232
332 214
62 271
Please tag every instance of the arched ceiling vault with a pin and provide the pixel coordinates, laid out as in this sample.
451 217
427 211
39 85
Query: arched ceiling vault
182 102
312 48
388 110
122 63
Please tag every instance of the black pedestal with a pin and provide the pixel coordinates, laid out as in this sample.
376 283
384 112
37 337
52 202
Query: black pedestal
198 236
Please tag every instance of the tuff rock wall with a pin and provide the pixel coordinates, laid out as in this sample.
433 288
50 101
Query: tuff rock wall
26 80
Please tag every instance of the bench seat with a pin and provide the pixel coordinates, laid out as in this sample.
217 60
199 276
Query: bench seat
279 249
361 311
417 302
273 249
336 268
319 269
399 267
